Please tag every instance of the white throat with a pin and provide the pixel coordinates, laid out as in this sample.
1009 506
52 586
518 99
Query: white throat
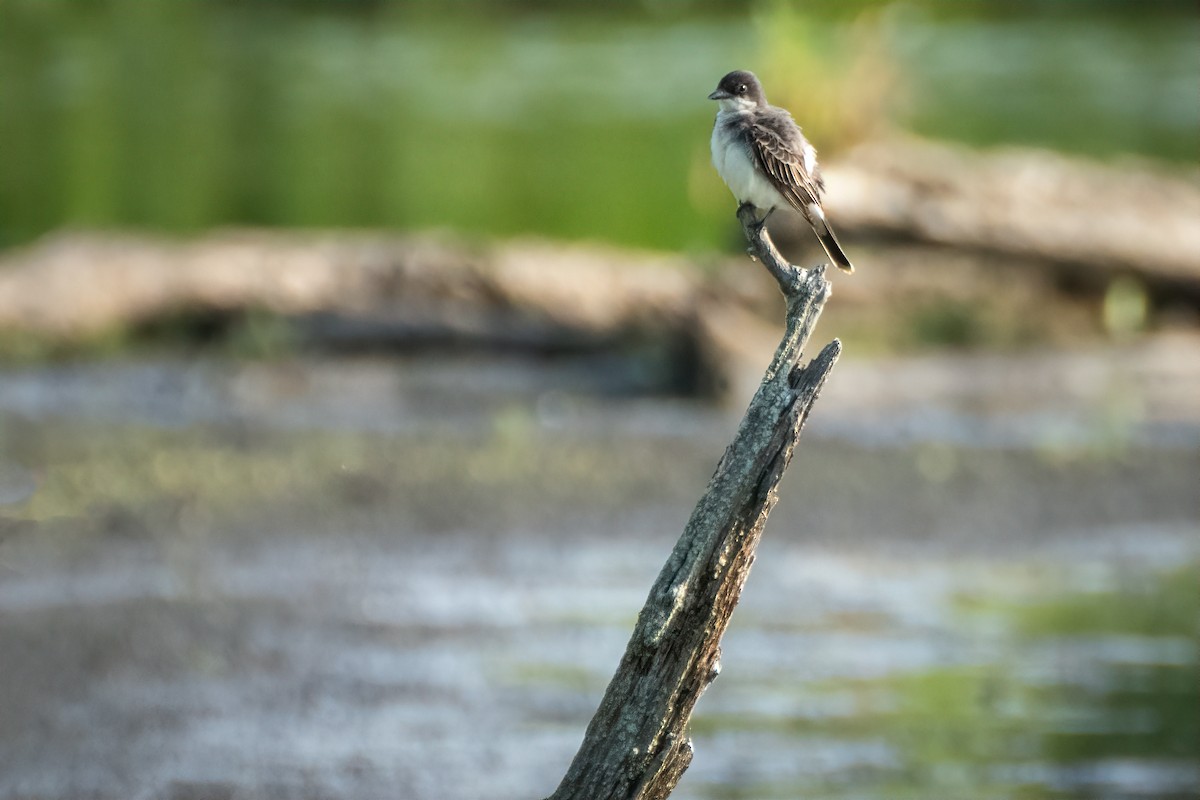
736 104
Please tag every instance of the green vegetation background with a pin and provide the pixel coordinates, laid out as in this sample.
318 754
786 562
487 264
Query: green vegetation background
523 117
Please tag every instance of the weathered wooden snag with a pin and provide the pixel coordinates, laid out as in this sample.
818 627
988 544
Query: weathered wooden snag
636 746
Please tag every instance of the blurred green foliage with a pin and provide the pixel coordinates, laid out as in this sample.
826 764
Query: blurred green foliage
1167 606
540 117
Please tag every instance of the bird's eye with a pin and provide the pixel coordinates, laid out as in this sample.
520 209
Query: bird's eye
741 88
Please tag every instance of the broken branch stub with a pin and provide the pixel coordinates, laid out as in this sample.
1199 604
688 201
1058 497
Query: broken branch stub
636 746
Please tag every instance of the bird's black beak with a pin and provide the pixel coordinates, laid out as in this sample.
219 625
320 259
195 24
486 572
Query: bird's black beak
720 94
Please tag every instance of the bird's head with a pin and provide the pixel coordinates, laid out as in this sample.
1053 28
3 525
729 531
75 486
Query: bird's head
739 91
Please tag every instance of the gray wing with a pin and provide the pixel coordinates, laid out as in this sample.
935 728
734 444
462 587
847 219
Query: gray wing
780 150
790 162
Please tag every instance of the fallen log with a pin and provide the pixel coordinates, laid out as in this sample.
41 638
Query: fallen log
79 285
1093 218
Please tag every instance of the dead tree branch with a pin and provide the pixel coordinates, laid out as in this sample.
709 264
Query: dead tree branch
636 746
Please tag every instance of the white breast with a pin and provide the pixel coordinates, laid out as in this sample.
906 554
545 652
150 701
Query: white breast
736 168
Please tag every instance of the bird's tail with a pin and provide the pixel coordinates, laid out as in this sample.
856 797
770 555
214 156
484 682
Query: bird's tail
816 218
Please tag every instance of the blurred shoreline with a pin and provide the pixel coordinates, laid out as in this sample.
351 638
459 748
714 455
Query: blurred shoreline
944 323
1018 212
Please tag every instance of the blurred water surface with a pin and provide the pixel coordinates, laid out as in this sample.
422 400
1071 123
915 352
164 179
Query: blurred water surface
377 577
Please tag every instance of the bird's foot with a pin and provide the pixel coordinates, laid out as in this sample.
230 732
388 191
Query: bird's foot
748 210
758 224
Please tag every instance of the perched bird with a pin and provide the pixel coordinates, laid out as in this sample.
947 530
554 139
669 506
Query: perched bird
765 160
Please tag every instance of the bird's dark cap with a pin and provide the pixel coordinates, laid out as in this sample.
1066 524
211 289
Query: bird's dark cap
739 83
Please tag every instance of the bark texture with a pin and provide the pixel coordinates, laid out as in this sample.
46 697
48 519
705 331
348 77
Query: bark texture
636 745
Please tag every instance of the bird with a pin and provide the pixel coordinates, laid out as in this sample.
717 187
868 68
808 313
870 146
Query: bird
764 159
